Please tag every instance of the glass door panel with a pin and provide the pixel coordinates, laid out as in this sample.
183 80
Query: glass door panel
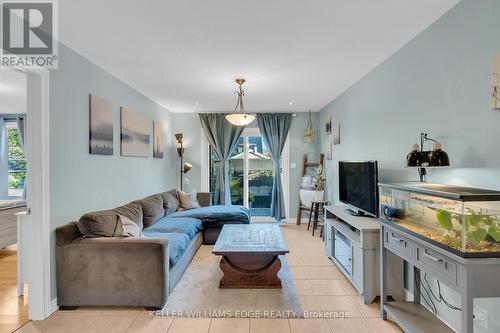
251 173
236 174
260 177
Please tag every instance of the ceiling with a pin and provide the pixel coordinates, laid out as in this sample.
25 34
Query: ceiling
12 92
186 54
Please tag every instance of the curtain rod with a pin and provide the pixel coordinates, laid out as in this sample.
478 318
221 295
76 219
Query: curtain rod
196 114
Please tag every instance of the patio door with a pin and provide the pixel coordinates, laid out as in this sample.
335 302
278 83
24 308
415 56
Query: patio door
251 174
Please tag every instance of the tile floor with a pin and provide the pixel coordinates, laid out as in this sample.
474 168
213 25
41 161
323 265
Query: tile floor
13 309
321 287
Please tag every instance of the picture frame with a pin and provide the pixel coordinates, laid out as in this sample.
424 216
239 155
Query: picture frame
336 133
135 134
158 139
329 150
101 126
328 125
495 82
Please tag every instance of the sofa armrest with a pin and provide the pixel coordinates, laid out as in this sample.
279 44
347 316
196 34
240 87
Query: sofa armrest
113 271
204 198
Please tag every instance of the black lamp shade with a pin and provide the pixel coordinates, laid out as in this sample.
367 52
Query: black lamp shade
438 158
413 158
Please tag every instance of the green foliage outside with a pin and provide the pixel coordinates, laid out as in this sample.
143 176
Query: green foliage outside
17 162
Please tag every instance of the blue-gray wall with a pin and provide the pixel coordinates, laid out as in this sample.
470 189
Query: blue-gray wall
438 83
81 182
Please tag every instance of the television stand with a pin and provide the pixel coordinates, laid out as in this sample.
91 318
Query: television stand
356 239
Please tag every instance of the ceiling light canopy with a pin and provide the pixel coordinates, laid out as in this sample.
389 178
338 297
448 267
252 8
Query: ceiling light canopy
239 117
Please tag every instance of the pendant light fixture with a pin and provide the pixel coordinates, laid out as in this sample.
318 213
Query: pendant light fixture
240 118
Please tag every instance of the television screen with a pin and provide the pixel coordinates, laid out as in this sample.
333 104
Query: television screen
358 185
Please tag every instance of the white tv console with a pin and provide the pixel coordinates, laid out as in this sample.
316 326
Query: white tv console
353 244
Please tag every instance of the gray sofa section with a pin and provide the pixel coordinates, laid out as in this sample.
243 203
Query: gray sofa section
96 268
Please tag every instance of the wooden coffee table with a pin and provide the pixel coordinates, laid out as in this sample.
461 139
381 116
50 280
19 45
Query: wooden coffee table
250 255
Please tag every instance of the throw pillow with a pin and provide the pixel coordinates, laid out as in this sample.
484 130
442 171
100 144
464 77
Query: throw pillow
133 211
152 209
188 200
128 228
170 202
98 224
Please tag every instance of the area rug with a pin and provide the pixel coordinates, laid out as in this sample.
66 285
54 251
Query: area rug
198 295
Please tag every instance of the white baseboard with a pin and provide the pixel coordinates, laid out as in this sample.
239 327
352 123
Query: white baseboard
53 306
409 297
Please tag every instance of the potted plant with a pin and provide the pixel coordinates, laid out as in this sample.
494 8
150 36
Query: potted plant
319 183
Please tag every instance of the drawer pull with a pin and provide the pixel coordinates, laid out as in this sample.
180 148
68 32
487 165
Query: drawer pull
397 239
438 260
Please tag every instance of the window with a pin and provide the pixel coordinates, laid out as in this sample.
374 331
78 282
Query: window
17 161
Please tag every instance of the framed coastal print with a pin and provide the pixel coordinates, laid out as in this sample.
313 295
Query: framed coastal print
101 126
336 133
135 133
157 139
495 82
329 152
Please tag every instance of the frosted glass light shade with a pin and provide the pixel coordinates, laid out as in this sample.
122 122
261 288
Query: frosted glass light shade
240 119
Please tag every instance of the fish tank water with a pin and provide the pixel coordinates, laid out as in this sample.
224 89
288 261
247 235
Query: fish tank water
461 220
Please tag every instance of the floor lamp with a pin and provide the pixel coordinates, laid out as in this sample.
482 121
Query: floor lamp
185 167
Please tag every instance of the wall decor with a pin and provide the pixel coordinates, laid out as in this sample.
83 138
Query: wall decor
336 134
101 126
329 153
309 131
495 82
135 133
157 140
328 125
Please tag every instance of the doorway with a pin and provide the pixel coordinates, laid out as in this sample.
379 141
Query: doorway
13 174
251 174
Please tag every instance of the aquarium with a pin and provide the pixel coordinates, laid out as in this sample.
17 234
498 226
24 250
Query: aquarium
462 220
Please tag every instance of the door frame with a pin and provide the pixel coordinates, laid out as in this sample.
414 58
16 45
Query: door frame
37 147
205 169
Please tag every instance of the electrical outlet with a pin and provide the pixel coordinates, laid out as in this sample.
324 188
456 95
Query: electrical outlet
293 165
186 181
481 316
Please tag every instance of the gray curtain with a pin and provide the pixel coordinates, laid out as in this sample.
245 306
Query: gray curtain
4 161
20 127
223 137
274 129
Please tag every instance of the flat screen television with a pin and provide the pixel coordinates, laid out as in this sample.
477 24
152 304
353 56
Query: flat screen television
358 187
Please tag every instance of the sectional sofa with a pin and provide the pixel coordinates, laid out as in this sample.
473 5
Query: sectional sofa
135 254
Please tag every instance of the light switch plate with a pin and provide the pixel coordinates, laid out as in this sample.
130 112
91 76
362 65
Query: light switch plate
293 165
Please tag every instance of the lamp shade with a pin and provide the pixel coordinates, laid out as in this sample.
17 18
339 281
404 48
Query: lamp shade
179 137
413 157
187 167
240 119
438 158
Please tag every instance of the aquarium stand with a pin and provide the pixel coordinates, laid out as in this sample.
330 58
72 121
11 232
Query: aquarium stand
470 277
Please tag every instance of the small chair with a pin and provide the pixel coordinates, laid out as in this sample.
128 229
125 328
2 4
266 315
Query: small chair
316 209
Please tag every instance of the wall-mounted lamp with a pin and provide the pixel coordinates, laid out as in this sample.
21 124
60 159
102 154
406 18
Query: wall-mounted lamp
185 167
421 159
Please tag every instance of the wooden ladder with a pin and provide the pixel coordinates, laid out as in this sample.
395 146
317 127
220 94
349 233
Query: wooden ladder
306 165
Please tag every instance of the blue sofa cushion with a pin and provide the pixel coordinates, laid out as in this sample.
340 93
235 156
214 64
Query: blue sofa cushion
213 215
177 244
182 225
